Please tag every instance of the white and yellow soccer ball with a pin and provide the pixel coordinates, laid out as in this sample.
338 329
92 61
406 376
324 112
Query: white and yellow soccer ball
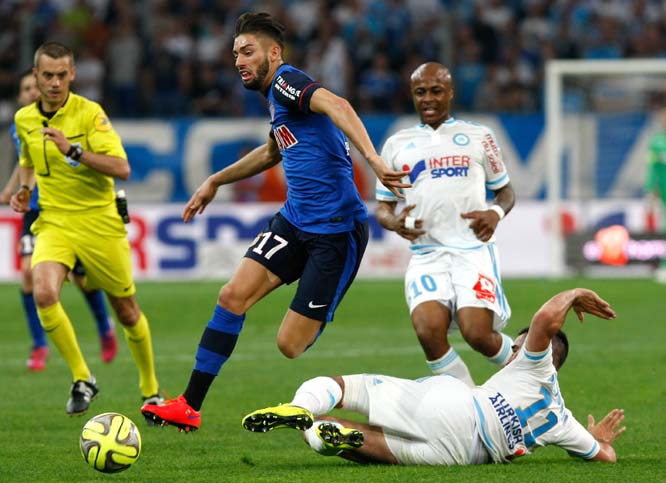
110 442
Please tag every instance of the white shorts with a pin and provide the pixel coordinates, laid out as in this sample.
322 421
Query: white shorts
457 280
429 421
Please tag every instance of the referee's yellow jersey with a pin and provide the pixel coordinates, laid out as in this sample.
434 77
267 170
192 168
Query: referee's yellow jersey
65 184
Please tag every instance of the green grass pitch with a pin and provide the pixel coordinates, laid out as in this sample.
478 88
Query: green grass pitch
619 363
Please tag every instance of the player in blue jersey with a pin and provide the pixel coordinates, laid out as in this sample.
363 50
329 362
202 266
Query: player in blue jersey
28 93
439 420
319 235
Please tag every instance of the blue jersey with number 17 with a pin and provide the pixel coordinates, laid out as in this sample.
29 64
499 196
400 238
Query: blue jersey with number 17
321 195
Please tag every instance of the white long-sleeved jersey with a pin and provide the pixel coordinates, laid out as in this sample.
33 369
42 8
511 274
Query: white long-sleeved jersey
521 408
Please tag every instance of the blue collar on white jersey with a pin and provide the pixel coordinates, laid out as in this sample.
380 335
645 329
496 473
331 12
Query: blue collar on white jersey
450 120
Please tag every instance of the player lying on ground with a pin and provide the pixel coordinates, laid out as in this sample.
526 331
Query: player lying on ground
439 420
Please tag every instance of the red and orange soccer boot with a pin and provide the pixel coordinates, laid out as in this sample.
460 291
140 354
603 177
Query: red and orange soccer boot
176 412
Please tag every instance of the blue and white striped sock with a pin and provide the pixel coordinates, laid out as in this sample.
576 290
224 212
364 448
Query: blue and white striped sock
504 352
451 364
319 395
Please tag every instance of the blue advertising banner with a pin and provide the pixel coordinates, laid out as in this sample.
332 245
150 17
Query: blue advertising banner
604 155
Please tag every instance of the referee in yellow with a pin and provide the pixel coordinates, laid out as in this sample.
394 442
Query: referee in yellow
70 148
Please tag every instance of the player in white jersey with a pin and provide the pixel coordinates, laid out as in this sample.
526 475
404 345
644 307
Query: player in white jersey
438 420
453 279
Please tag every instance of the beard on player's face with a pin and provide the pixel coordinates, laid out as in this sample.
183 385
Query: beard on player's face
257 81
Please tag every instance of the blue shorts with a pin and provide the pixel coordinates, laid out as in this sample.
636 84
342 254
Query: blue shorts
326 264
27 240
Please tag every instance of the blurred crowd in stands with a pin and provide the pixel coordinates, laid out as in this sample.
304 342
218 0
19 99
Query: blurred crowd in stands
173 57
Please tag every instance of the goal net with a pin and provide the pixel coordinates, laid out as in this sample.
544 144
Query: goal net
600 117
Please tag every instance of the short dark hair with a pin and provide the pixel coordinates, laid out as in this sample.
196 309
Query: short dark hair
260 23
54 50
560 344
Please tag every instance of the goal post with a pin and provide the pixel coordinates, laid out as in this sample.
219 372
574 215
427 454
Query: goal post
556 71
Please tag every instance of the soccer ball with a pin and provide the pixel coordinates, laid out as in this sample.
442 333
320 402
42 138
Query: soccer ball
110 442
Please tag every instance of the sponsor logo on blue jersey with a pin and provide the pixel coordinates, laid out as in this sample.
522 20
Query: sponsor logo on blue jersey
284 137
285 89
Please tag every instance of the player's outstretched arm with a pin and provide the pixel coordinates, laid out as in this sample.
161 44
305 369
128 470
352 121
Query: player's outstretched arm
343 116
259 159
606 432
551 316
389 219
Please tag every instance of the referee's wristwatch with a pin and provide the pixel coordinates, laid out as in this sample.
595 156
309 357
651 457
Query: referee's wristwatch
75 152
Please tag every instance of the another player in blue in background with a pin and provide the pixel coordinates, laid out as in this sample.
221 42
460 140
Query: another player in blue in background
320 233
28 93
